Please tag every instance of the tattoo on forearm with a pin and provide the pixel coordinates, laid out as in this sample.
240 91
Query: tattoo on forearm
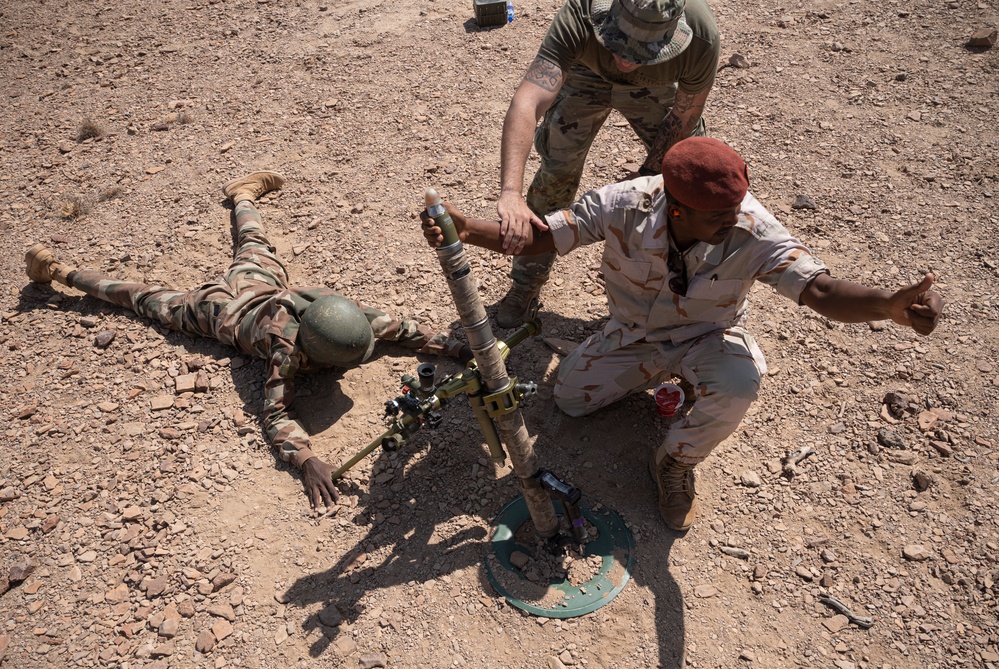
686 107
545 74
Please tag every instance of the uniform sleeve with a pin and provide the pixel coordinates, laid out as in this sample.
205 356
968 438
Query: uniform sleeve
282 429
700 73
405 332
566 36
585 221
784 263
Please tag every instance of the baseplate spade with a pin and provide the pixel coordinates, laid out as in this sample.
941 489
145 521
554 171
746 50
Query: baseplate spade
614 544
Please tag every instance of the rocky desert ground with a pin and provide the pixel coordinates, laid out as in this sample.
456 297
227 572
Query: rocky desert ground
145 523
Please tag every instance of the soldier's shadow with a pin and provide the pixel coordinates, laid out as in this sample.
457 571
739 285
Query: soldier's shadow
428 512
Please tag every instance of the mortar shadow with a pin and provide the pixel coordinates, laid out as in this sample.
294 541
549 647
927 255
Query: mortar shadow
445 532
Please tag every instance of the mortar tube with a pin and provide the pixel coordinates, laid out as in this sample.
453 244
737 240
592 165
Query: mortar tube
491 367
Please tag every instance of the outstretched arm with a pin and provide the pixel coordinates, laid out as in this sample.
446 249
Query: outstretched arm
484 233
533 97
915 306
286 433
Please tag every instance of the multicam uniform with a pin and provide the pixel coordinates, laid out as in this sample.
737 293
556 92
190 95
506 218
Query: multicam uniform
253 309
655 333
593 87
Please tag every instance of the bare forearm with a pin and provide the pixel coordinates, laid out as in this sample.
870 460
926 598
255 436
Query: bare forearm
846 301
534 95
486 234
678 124
518 131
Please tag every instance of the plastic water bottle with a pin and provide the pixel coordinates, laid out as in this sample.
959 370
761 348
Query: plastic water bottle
509 11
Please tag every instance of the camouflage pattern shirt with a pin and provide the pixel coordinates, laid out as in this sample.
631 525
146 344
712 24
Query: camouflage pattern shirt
630 218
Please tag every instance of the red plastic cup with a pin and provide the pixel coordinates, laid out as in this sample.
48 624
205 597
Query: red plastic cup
669 397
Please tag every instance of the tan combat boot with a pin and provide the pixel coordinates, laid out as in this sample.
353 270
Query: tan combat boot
252 186
42 266
517 304
675 481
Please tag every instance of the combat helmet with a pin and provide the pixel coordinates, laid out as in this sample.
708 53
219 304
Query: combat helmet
334 332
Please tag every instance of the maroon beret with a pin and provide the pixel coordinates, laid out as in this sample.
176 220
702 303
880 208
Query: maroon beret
706 174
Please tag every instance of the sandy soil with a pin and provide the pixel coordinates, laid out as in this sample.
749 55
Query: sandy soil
158 529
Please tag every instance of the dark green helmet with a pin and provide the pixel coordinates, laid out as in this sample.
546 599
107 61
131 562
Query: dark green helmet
334 332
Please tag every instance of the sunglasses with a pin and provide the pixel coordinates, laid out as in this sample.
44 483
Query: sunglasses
674 261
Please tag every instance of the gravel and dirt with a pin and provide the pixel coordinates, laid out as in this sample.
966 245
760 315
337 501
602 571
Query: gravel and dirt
145 523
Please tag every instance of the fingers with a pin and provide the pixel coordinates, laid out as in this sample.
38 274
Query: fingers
540 224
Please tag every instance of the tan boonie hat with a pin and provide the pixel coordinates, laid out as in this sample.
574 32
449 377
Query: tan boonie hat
641 31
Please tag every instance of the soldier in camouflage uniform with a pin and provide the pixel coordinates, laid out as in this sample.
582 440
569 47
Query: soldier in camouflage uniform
681 253
654 61
253 309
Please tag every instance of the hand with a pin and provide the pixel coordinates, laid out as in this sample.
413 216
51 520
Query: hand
917 306
515 221
319 486
433 233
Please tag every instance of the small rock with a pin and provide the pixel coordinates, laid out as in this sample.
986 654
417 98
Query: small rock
751 479
281 635
705 591
915 116
804 202
186 608
890 439
168 628
739 61
221 629
928 420
164 650
983 38
117 595
921 480
916 553
804 573
555 663
896 404
222 580
346 645
565 657
222 610
519 559
17 533
942 447
4 642
104 339
740 553
205 642
836 623
184 383
156 587
21 570
371 660
88 556
161 402
330 616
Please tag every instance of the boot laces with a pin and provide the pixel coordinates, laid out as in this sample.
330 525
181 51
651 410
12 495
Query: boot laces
675 477
522 293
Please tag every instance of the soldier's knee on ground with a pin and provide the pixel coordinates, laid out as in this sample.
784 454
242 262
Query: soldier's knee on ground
572 401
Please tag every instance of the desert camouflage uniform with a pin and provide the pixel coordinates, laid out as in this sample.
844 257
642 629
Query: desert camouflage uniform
654 333
593 87
253 309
